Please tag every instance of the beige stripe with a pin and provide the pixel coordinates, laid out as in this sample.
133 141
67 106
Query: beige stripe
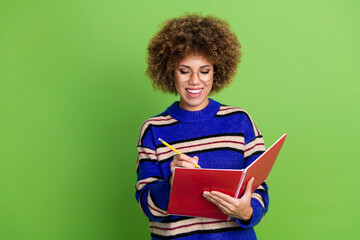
142 210
145 153
236 142
228 109
240 139
181 222
189 225
258 197
254 146
143 182
261 188
258 148
254 142
146 150
155 121
157 212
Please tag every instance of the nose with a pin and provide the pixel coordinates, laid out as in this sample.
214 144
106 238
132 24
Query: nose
194 79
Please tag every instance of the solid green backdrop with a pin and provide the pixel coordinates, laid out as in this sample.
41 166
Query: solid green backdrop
73 96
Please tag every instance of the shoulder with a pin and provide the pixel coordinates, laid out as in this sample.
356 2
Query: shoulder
160 120
238 114
226 110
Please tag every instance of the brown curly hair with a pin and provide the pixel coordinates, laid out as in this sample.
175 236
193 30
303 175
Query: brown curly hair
192 33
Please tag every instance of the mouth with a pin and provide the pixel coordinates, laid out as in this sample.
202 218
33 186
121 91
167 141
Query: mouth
194 92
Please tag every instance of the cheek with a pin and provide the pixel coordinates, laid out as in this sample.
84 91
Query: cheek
209 87
177 86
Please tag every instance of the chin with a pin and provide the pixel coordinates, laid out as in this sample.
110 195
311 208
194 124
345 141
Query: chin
194 104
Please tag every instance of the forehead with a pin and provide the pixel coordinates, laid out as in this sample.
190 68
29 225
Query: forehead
195 59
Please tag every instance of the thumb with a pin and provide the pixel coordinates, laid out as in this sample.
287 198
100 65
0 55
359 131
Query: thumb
196 159
249 186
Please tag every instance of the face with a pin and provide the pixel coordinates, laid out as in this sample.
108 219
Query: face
193 81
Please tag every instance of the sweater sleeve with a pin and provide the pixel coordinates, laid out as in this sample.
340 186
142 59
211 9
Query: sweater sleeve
152 188
254 147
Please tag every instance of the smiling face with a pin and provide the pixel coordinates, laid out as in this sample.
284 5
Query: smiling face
193 81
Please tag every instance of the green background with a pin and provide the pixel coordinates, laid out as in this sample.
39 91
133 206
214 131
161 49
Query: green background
73 96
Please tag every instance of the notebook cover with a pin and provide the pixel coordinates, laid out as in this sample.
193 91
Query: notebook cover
261 167
188 185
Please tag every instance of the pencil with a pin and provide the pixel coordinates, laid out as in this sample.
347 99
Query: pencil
174 149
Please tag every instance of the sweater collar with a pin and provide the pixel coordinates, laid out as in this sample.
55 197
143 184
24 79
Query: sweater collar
194 116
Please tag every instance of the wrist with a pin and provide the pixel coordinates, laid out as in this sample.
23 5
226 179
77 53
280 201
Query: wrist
246 216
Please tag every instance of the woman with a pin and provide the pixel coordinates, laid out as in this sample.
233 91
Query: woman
194 56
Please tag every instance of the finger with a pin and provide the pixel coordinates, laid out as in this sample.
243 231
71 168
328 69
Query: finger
189 159
176 157
218 201
211 198
172 165
193 160
225 197
224 208
178 162
182 157
196 161
183 164
249 186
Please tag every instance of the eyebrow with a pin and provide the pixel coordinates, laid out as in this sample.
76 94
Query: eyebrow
190 67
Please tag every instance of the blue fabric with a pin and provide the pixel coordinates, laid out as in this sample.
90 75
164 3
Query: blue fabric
222 137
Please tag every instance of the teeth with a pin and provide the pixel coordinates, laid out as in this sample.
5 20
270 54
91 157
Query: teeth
193 91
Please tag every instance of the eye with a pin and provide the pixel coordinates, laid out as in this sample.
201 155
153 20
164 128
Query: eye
205 72
183 72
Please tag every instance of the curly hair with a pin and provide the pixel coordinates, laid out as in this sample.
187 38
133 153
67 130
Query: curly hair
192 33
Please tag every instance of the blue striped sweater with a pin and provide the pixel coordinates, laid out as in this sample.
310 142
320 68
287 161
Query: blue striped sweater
222 137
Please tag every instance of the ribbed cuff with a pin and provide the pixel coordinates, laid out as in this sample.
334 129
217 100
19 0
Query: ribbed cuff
258 212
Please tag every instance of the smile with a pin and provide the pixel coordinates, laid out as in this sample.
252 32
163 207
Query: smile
194 91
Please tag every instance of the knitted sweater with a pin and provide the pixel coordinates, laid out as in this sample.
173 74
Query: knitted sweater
222 137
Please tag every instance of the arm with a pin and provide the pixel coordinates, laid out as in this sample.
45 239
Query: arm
254 147
251 207
152 186
247 210
152 190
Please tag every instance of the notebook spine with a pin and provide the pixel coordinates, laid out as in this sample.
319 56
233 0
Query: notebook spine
240 183
239 188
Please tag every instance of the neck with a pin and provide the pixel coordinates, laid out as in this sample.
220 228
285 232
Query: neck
199 107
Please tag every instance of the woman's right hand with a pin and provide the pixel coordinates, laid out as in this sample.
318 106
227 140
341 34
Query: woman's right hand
183 161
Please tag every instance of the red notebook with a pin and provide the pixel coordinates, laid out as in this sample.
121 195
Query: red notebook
188 184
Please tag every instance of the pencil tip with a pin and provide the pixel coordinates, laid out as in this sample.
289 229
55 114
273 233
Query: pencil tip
160 140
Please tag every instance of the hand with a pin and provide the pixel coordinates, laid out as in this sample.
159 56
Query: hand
235 207
183 161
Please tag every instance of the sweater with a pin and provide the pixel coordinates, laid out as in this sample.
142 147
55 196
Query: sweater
223 137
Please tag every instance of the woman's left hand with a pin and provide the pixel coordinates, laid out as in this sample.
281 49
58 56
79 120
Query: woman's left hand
235 207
